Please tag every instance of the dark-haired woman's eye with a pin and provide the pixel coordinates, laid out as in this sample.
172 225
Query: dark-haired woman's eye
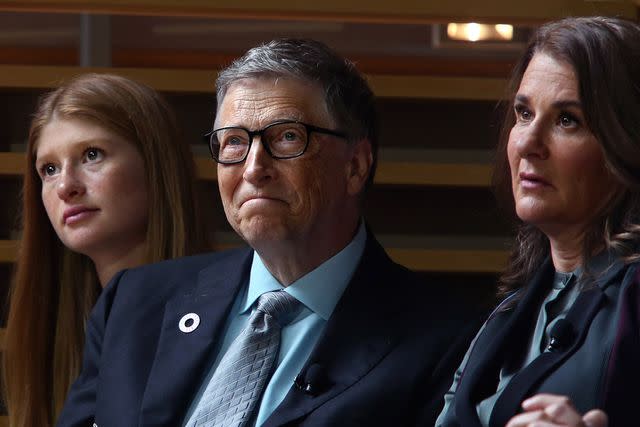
522 113
567 120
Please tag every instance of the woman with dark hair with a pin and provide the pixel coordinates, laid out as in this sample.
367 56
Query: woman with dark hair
109 184
566 338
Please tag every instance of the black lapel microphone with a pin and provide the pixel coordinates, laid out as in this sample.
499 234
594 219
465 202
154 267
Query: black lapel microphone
312 381
562 335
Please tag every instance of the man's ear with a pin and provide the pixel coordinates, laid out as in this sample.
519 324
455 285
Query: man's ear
359 166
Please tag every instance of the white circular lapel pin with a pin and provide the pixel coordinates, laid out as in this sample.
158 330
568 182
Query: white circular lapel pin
189 323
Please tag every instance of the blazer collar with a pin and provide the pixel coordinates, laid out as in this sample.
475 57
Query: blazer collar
182 358
481 379
605 267
338 359
522 384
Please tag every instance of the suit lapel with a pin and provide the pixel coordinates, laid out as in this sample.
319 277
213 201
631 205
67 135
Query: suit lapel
343 359
181 358
480 378
580 317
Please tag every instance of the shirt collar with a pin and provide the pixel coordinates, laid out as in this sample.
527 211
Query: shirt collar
320 289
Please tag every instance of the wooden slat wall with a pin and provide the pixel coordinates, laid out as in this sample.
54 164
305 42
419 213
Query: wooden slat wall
389 172
202 81
438 260
417 85
400 11
8 250
11 164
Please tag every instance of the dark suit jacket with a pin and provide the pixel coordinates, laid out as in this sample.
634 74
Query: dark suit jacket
386 354
597 364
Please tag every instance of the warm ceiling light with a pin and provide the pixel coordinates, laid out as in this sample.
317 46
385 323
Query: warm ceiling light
505 31
474 32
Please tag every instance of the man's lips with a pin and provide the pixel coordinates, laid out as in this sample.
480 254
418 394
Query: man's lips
260 198
76 213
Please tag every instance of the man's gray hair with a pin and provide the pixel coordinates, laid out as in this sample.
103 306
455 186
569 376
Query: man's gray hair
348 96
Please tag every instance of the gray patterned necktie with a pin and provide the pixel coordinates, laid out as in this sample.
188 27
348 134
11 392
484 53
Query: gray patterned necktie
237 383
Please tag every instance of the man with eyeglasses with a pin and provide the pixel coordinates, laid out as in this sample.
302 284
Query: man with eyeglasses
313 324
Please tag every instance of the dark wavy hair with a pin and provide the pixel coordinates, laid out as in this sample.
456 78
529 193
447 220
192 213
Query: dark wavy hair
605 55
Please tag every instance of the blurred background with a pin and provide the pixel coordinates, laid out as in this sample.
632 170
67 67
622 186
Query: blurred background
439 69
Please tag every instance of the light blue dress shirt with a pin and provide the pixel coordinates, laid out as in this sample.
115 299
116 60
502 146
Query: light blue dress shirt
319 292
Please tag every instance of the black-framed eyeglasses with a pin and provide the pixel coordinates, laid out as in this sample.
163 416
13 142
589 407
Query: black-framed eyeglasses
284 139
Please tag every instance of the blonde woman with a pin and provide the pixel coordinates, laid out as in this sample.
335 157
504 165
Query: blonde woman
109 185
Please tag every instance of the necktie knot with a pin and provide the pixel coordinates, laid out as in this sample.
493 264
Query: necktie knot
279 305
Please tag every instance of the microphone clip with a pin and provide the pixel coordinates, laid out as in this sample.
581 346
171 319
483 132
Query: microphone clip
312 381
562 335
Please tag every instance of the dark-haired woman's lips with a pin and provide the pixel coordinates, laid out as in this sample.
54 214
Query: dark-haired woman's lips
532 181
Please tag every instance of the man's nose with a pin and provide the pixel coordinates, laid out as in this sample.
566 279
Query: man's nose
258 166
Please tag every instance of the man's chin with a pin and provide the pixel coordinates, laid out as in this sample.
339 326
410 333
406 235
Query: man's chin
261 232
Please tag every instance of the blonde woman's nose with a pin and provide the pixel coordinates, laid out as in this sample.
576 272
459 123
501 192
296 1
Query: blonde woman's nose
69 184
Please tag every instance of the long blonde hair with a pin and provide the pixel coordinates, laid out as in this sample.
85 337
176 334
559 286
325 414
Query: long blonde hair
54 288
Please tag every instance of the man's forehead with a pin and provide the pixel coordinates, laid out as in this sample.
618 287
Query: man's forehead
263 100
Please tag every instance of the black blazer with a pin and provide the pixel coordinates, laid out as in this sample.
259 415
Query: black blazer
386 355
598 365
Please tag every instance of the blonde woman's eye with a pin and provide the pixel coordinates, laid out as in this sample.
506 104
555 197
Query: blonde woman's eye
48 170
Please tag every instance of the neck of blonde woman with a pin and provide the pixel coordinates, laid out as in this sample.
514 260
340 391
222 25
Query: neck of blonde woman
107 265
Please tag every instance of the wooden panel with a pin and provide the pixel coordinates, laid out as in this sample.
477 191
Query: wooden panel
443 260
421 173
11 164
467 88
8 250
389 172
403 173
38 55
458 261
209 60
340 10
11 191
206 168
398 64
2 331
452 218
43 77
180 80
